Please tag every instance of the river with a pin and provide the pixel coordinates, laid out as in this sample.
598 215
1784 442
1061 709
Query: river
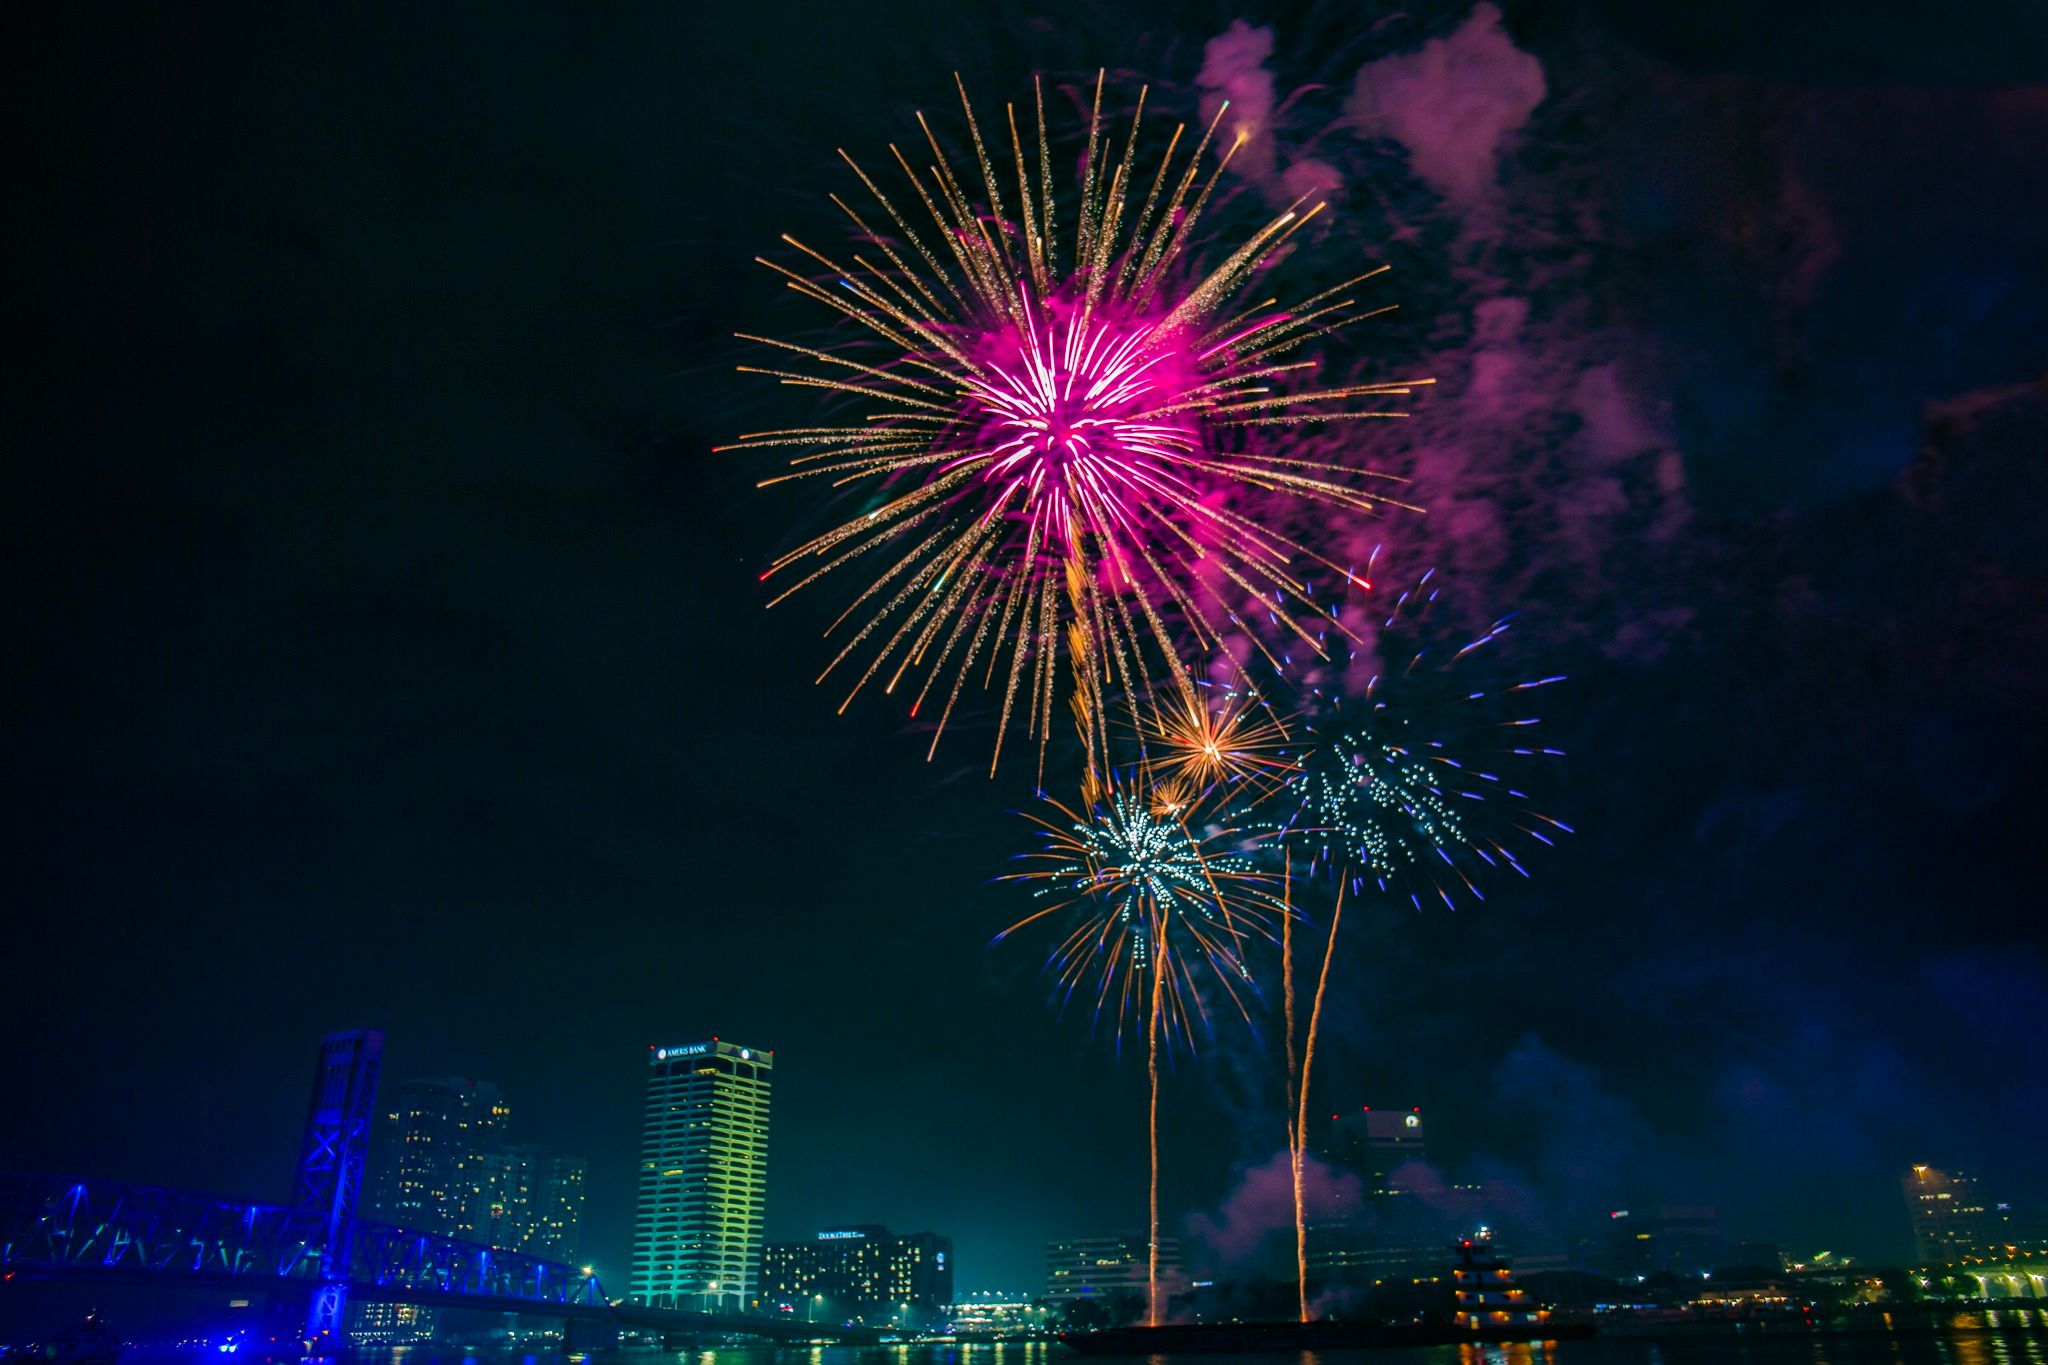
1975 1337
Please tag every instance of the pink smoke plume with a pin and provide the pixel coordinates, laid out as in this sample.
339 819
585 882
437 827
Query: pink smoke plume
1255 1222
1234 69
1453 103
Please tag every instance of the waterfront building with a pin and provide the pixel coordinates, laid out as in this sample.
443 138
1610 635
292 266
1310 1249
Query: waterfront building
1373 1143
530 1200
1375 1226
447 1169
1648 1241
1089 1267
441 1127
429 1144
990 1314
703 1177
1950 1221
860 1271
1359 1252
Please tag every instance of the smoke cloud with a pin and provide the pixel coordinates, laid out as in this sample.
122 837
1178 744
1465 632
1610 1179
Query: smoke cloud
1453 104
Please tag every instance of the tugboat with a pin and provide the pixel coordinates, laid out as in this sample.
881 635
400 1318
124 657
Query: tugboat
1491 1309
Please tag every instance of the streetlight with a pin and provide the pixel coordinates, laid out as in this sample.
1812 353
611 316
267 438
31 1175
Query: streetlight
811 1307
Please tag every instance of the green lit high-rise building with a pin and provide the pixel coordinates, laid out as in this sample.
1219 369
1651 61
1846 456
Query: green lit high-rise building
703 1177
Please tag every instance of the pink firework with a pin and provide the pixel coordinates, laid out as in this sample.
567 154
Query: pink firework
1076 438
1057 435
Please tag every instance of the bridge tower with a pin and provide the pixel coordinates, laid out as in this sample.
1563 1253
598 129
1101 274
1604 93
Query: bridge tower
330 1174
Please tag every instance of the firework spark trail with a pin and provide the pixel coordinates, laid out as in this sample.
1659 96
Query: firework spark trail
1308 1061
1294 1134
1152 1146
1406 781
1287 973
1039 403
1299 1073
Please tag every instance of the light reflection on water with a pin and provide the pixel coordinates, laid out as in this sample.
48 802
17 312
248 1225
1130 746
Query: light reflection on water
1970 1338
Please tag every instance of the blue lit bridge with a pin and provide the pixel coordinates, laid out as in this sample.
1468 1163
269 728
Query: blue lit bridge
112 1230
313 1249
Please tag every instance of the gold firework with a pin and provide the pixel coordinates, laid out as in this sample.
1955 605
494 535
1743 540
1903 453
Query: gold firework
1211 736
1054 426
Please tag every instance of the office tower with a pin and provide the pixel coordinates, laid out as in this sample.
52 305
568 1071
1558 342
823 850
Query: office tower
1094 1267
1648 1241
1358 1230
1949 1217
1375 1220
558 1187
448 1170
442 1127
703 1177
529 1199
431 1141
1373 1143
863 1271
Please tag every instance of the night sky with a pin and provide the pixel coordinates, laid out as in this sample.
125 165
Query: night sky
384 646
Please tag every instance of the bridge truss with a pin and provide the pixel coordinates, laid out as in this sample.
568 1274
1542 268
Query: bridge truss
51 1224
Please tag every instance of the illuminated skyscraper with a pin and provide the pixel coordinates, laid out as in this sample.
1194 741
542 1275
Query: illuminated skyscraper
1372 1143
530 1200
1651 1239
1949 1217
703 1177
1370 1222
446 1169
442 1126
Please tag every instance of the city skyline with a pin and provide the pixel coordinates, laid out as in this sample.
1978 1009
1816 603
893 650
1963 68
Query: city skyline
438 1160
391 650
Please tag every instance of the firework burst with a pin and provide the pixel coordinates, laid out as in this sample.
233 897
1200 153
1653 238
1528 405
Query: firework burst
1155 895
1194 742
1418 785
1052 420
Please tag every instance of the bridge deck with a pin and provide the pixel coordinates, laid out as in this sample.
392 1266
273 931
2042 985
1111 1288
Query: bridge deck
56 1226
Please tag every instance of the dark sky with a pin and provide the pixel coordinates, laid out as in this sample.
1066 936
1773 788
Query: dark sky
384 647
